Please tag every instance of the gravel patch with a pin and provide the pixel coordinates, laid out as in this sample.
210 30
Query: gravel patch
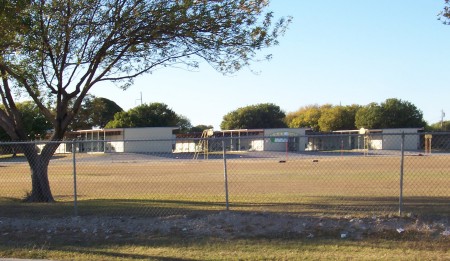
226 225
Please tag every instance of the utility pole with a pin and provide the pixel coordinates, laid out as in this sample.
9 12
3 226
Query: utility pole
442 119
140 99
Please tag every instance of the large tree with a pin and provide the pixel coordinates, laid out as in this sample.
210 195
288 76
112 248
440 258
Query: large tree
369 116
397 113
264 115
95 112
55 52
392 113
338 118
326 117
149 115
306 117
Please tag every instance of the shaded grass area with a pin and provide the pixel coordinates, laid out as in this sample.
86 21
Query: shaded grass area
314 206
155 247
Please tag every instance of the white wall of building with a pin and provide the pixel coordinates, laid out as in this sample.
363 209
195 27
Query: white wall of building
161 139
376 143
394 141
150 133
62 148
185 147
143 140
148 140
115 146
257 145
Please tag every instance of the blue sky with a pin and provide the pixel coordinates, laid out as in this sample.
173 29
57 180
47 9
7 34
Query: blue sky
338 52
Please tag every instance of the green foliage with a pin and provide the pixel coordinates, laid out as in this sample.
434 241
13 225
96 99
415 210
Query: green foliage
149 115
35 124
95 111
439 126
264 115
323 118
306 117
200 128
401 114
338 118
14 19
369 116
393 113
183 123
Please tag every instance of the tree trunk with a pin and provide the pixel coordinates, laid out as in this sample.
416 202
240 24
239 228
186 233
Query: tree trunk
40 186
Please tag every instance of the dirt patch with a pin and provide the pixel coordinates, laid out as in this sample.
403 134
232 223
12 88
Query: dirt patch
224 225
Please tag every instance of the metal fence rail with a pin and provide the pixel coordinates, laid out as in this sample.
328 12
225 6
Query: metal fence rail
310 175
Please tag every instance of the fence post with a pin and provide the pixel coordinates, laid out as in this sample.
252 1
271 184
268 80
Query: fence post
74 179
225 174
402 160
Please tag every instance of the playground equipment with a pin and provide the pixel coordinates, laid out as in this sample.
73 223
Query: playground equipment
203 144
366 134
428 138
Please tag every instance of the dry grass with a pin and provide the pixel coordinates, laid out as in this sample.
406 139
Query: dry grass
354 185
331 186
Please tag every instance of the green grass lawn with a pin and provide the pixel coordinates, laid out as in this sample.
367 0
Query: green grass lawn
176 248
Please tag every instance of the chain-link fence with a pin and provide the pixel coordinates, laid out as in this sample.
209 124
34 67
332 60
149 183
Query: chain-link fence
329 175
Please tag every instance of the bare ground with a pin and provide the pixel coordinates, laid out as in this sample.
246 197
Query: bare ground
223 225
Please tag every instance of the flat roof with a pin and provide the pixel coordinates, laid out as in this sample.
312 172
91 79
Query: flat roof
122 129
357 131
242 130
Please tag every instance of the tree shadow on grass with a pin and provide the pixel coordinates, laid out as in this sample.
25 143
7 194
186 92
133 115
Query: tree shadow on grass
117 255
360 206
16 207
173 245
331 206
95 248
9 158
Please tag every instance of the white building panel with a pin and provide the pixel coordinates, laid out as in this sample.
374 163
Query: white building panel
257 145
114 146
150 133
185 147
392 139
148 140
141 140
62 148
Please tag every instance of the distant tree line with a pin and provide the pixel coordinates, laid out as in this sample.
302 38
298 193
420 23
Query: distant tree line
104 113
392 113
